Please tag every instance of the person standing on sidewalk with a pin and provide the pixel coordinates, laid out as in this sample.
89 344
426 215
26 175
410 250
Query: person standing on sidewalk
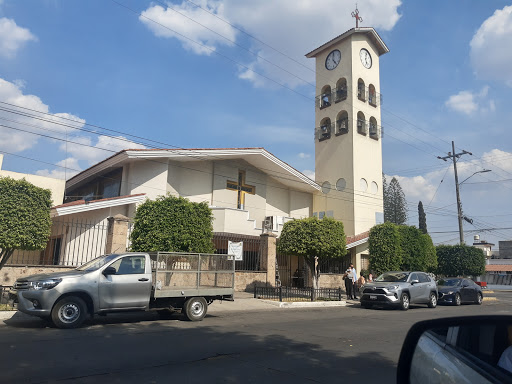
348 283
354 281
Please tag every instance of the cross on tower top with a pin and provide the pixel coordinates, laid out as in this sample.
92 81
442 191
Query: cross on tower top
356 15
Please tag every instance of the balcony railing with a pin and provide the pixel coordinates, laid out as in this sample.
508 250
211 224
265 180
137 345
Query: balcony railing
361 93
374 98
324 132
341 126
374 131
324 100
361 127
340 94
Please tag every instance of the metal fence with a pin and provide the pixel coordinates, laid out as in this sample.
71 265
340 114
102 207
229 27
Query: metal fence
71 243
298 294
7 300
250 260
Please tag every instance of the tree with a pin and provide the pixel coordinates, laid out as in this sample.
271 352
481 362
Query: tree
25 222
395 206
422 225
385 197
173 224
460 260
385 248
418 251
313 239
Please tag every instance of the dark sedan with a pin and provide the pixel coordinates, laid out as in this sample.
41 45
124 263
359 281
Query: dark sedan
456 290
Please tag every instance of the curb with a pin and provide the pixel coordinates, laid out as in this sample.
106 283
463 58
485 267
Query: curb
490 299
306 304
6 315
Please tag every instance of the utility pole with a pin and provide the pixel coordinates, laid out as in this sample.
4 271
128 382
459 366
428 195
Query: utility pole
454 156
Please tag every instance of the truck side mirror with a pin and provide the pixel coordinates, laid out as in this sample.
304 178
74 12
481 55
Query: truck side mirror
109 271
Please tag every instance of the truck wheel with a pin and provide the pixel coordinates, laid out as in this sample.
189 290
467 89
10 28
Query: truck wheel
432 300
404 302
195 308
69 312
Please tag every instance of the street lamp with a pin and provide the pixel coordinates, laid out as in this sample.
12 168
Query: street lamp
482 171
459 204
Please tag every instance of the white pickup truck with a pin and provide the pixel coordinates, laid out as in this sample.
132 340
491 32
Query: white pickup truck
129 282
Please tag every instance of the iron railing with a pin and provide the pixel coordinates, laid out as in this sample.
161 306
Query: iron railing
298 294
251 249
324 131
71 243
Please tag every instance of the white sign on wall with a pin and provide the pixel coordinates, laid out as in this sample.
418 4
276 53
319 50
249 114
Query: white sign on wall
236 249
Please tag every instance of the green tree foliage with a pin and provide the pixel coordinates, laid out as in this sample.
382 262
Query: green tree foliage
418 251
310 238
395 206
385 197
385 248
460 260
173 224
25 222
422 225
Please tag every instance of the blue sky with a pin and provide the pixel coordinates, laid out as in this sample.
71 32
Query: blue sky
133 67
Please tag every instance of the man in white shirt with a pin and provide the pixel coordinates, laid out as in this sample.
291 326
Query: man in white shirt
354 281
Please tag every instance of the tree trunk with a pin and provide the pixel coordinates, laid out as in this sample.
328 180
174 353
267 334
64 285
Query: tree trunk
4 256
315 274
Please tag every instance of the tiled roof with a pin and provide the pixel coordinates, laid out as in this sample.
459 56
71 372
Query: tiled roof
361 236
82 202
498 267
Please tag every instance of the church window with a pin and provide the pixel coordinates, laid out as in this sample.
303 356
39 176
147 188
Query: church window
374 129
324 132
341 184
342 123
361 124
341 90
241 188
325 97
372 95
326 187
374 188
363 185
361 90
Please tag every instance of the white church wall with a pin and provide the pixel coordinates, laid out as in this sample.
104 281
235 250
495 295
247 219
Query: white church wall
223 197
301 204
257 204
192 180
278 199
149 177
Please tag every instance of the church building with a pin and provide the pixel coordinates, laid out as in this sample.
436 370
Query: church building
249 190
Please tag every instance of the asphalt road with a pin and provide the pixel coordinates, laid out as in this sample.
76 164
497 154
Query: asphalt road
275 345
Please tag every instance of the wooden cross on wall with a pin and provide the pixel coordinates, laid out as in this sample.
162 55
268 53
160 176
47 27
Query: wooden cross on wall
242 189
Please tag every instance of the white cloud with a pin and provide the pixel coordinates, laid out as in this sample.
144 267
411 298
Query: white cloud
105 146
290 26
490 47
468 102
309 173
12 37
67 168
303 155
14 139
185 23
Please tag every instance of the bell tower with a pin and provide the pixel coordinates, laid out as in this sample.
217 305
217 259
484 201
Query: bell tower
348 132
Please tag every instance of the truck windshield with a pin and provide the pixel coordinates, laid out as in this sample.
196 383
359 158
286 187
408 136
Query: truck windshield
97 263
393 276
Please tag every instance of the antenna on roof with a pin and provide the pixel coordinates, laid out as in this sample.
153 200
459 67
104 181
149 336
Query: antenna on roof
356 15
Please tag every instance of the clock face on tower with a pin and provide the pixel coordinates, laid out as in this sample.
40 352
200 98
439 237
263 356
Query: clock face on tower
366 58
333 59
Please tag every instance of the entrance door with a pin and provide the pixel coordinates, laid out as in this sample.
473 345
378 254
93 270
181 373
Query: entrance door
129 287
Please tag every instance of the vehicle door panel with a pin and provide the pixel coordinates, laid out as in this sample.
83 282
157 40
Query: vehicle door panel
130 287
465 291
415 290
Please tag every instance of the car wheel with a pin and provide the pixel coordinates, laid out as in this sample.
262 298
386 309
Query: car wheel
479 298
404 302
457 300
69 312
195 308
432 301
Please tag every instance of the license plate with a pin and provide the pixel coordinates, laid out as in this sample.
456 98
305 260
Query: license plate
373 297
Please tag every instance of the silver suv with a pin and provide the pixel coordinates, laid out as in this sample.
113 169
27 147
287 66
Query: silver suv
400 289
